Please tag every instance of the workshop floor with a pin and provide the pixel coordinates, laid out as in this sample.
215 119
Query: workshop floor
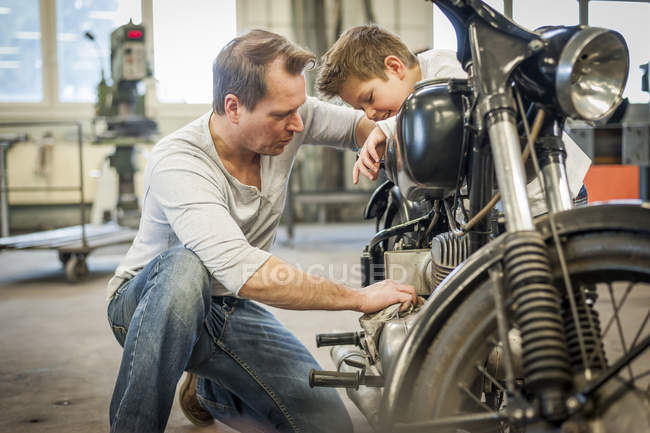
59 359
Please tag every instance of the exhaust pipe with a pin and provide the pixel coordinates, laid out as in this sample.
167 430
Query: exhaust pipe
367 399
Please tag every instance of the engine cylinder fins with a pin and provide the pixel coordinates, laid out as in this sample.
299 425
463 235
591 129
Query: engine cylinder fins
538 314
447 252
591 335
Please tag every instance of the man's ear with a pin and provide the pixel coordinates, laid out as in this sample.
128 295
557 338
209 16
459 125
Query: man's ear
395 65
232 107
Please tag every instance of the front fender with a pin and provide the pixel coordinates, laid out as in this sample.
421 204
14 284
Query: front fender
459 284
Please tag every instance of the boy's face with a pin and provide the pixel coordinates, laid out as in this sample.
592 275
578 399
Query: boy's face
379 98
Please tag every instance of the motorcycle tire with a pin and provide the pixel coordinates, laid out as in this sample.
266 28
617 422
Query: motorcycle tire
618 264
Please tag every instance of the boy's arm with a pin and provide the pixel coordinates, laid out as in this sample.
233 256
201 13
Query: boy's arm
363 130
370 156
388 127
373 149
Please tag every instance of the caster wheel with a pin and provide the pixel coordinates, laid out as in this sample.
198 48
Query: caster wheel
76 268
64 257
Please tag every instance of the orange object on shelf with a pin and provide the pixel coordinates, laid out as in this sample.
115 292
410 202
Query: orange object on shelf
612 182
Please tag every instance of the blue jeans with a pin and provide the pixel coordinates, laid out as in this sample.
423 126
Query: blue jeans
253 371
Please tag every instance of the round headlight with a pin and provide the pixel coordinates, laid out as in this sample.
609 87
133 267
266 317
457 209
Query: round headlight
592 72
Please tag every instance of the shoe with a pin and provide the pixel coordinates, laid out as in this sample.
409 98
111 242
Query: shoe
190 403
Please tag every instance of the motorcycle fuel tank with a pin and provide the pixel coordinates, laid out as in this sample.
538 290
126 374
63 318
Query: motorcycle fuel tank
423 160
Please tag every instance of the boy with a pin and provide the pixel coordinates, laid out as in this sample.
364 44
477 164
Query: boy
372 70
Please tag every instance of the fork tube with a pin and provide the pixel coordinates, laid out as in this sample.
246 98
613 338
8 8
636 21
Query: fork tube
480 192
558 197
552 158
528 272
504 142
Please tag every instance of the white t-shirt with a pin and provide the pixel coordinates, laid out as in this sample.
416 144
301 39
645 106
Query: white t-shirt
191 200
444 64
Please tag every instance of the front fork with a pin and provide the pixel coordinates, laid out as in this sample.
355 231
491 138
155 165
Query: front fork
510 171
527 269
547 370
504 143
552 159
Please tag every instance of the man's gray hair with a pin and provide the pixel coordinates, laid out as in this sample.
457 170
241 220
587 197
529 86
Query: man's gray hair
240 67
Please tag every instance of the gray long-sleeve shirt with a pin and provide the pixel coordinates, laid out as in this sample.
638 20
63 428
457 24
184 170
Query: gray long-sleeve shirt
191 200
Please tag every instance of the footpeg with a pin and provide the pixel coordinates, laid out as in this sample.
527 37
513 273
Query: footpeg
335 379
340 338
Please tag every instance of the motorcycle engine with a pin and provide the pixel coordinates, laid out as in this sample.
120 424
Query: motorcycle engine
424 269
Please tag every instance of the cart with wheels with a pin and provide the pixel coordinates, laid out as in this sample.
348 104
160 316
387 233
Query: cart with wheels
73 243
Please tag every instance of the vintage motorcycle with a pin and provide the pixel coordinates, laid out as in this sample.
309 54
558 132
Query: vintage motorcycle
530 324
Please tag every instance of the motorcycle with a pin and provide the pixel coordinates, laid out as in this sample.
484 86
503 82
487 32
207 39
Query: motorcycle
523 325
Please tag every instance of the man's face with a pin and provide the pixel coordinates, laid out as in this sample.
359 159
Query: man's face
378 98
271 125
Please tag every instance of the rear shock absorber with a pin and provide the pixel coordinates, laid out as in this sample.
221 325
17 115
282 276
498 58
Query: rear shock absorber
537 312
589 321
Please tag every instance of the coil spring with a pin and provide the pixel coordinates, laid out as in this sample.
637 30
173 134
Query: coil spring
537 312
591 337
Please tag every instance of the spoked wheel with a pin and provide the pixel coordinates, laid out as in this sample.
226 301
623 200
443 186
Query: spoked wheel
462 376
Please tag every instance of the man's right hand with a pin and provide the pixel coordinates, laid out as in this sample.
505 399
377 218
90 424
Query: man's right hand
370 156
384 293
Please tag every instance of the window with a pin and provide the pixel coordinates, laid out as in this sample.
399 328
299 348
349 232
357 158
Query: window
186 41
533 14
631 20
444 35
80 60
21 63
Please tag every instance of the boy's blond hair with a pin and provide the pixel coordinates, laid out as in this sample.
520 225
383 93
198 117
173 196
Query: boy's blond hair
359 53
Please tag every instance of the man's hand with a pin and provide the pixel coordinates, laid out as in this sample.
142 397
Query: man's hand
281 285
387 292
370 156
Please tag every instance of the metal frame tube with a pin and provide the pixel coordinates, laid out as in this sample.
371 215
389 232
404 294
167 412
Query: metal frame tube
504 142
583 11
82 204
4 191
558 196
480 193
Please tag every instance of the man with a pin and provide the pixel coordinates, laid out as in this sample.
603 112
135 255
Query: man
180 300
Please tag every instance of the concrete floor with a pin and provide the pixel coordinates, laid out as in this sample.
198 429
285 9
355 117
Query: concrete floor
59 359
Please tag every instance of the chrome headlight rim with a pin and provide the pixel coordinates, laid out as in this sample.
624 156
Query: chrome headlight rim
568 61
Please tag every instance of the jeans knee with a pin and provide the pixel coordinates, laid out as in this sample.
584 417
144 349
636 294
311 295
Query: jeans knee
190 281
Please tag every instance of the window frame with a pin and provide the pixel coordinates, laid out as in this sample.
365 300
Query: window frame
51 108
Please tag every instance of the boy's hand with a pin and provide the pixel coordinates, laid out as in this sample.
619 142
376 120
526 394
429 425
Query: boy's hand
370 156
